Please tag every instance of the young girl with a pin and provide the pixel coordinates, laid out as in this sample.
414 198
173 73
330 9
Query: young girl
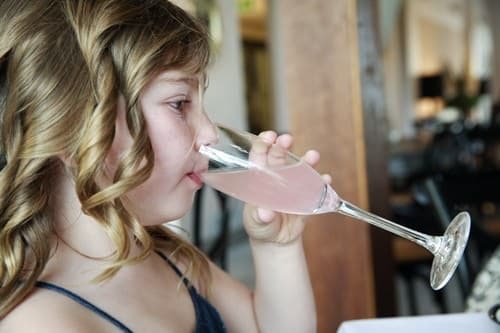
101 121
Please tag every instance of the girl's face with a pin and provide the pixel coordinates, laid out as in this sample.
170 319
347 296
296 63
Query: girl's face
177 125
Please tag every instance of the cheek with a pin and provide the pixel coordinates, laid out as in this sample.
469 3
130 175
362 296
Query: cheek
172 145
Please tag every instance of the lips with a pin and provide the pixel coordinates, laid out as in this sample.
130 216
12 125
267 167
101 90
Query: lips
195 177
200 166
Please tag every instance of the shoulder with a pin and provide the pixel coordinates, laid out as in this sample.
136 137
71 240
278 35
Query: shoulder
44 312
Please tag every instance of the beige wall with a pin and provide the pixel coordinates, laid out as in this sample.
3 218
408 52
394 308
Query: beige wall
430 36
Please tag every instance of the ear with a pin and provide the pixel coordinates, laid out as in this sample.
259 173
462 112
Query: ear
122 140
66 160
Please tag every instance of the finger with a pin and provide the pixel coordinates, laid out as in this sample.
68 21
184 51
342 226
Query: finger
327 179
268 136
311 157
285 141
258 153
276 154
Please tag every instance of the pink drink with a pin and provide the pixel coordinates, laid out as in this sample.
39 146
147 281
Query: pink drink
295 189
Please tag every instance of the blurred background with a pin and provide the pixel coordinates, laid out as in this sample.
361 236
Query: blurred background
402 99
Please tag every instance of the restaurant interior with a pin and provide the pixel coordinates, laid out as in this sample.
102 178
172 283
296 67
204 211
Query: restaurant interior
402 100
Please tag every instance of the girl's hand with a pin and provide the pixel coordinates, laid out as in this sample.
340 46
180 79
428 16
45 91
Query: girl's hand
265 225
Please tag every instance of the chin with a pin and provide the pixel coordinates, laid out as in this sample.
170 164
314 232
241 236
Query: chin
172 213
155 208
162 219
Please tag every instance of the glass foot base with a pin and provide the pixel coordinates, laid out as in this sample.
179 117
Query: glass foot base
450 251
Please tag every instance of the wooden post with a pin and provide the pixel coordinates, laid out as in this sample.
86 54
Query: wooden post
320 60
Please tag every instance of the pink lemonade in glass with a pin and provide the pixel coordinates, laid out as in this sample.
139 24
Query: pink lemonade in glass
294 189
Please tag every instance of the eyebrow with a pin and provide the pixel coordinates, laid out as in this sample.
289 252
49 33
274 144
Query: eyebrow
192 81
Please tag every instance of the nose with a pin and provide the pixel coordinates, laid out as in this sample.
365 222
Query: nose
207 132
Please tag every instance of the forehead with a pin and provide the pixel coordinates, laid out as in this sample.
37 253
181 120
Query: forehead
180 77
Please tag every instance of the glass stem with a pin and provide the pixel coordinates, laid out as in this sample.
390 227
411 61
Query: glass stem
431 243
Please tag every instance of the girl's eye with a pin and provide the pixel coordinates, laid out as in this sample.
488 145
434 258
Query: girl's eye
179 105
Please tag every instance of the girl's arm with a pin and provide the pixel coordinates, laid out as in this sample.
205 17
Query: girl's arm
282 300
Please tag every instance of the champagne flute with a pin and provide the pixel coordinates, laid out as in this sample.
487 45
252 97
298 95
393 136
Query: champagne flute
283 182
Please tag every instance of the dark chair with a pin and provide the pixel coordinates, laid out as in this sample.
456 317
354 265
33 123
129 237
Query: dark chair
437 200
450 194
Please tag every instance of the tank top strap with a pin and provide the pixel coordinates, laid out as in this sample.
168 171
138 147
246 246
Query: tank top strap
175 268
208 319
80 300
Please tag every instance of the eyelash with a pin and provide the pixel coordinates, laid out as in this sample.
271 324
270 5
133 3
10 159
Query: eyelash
179 106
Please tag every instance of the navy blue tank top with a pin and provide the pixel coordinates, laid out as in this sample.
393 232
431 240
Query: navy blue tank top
207 318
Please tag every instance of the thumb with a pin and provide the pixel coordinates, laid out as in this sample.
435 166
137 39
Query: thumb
265 215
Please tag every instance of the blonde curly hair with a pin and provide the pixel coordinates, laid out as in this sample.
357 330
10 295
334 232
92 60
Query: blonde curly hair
63 64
